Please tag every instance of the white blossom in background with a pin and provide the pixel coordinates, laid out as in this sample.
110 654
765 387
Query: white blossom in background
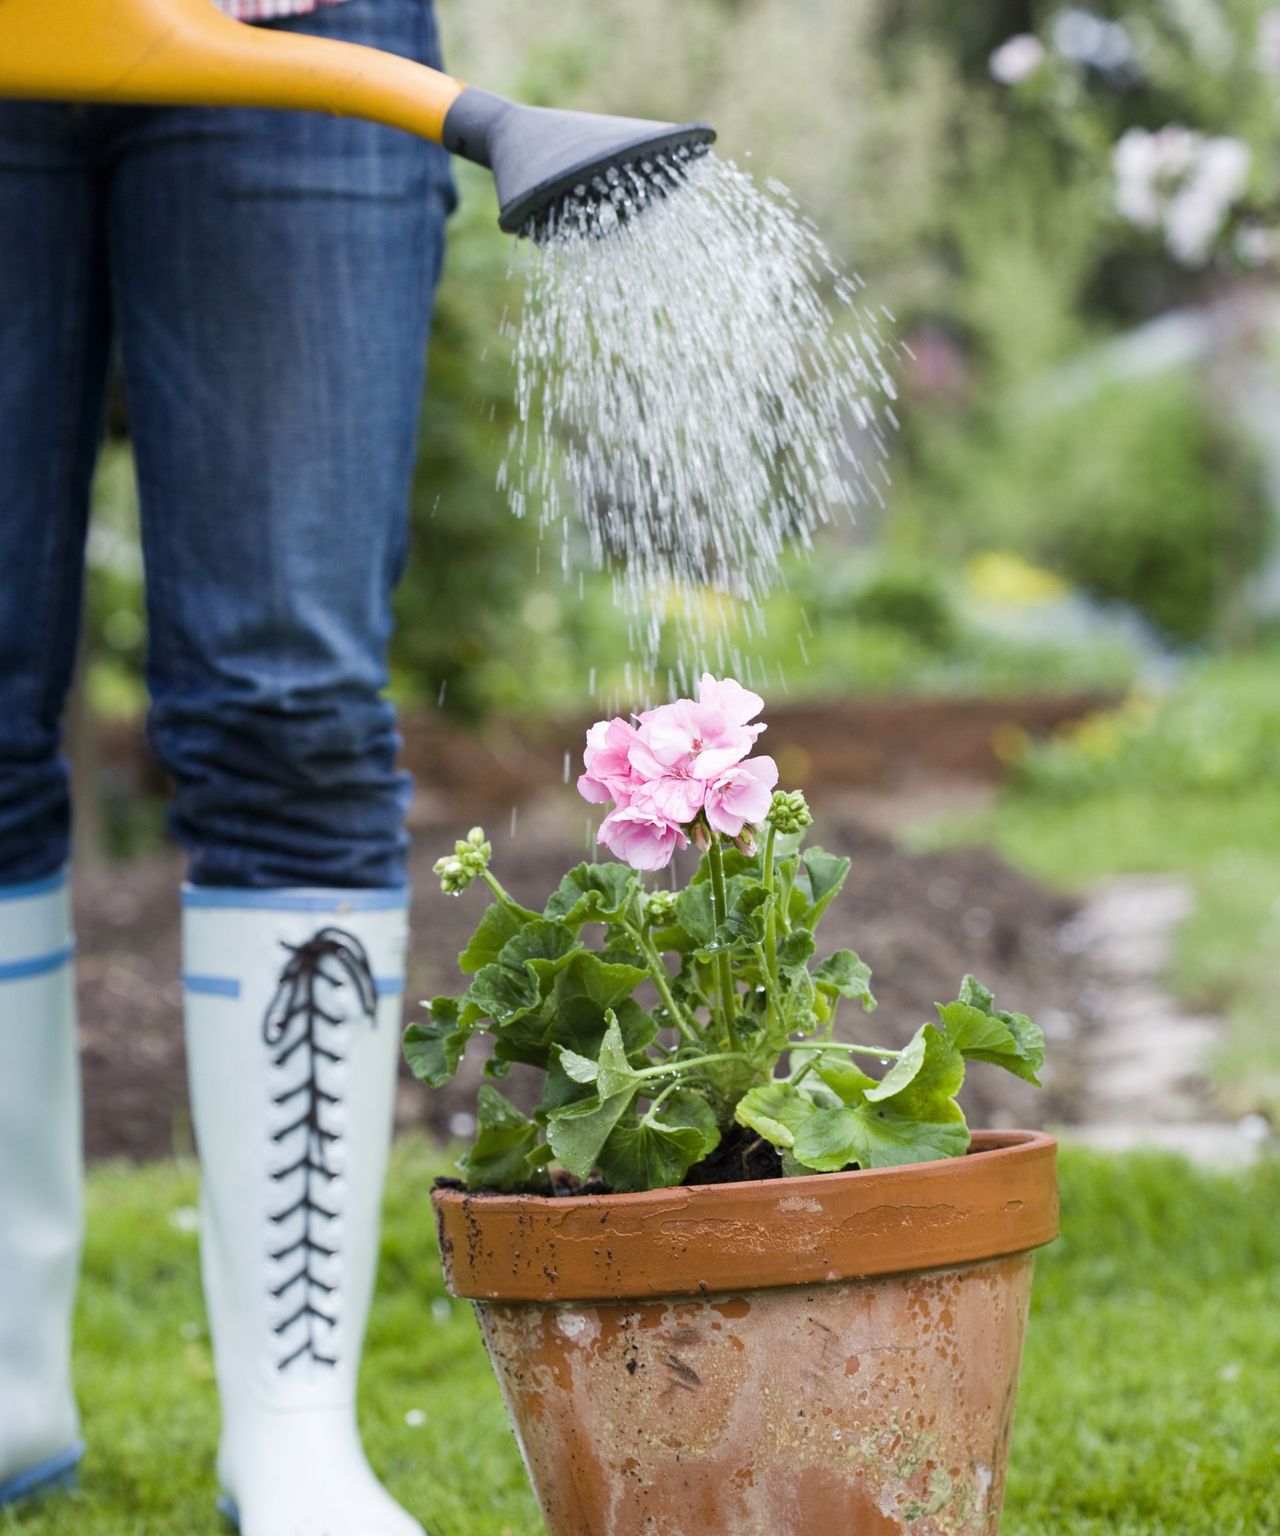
1016 58
1081 36
1258 246
1182 183
1269 41
1145 163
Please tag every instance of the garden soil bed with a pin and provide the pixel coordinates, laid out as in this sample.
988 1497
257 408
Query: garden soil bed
920 922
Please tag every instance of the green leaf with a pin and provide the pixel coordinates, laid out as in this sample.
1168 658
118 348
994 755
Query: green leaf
541 940
578 1131
592 893
929 1070
517 984
847 1082
433 1050
503 994
605 984
573 1013
819 878
543 949
616 1074
844 975
657 1151
870 1136
505 1142
776 1111
1008 1040
831 1139
673 938
611 1072
796 950
976 995
623 952
748 916
910 1116
580 1002
580 1068
694 909
499 923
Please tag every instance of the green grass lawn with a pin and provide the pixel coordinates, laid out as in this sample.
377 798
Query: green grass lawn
1150 1401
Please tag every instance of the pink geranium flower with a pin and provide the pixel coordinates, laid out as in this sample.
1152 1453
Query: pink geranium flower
682 766
641 836
741 795
737 704
698 739
608 773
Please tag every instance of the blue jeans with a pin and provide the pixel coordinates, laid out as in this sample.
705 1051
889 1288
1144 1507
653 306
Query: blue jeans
269 278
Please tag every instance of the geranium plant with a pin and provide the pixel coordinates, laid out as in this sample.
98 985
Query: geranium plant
672 1023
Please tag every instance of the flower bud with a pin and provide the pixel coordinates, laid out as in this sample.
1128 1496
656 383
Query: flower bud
746 841
789 812
468 861
660 908
701 836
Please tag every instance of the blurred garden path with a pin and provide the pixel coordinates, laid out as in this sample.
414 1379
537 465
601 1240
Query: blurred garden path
1148 1065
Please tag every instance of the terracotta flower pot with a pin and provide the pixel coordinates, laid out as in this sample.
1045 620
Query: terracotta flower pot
825 1356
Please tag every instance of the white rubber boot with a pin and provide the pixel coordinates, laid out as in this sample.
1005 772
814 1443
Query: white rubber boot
40 1189
293 1035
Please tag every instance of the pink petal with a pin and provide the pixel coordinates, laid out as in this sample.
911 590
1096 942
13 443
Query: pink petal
594 791
677 799
736 703
714 761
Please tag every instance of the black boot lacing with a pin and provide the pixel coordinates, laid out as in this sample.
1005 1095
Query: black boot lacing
290 1031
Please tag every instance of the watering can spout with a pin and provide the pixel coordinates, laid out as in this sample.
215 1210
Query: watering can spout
186 52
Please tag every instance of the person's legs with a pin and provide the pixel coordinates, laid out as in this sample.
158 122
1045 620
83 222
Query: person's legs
54 331
54 342
274 276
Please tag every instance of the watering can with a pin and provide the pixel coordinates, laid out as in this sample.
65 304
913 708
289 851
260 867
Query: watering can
187 53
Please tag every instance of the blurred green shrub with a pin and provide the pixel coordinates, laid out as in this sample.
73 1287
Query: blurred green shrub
909 596
1133 494
1219 732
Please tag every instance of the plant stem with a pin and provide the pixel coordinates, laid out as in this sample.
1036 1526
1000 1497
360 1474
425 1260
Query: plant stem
771 925
839 1045
724 970
804 1071
503 895
665 1069
662 981
659 1098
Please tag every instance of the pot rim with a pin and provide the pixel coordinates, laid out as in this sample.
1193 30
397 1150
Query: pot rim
999 1198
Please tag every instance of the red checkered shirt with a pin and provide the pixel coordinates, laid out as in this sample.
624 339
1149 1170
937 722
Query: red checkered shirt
267 10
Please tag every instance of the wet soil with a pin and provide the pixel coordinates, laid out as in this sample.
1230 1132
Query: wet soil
921 923
741 1155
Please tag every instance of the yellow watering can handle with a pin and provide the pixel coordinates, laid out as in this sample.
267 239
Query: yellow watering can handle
186 52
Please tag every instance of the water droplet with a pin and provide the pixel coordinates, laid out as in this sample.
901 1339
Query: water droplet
700 388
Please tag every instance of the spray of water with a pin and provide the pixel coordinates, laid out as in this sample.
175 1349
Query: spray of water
700 387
